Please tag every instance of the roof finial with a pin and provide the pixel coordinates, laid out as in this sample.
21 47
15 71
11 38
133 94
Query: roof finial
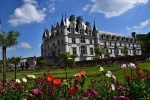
94 27
62 15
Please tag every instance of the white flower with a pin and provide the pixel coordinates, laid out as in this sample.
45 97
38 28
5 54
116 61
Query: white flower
132 66
114 77
101 69
24 80
113 87
123 66
109 74
31 76
18 81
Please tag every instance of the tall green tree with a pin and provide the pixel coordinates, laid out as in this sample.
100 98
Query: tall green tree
14 60
7 40
65 56
144 40
99 51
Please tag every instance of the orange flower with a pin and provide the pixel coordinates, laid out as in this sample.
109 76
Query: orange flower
78 75
57 81
83 73
72 91
50 77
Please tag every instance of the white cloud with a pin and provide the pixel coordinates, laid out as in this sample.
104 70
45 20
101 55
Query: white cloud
27 13
51 7
11 48
86 7
140 26
112 8
24 45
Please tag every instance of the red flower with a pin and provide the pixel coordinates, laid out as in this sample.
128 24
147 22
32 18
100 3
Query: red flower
83 73
78 75
50 77
57 81
72 91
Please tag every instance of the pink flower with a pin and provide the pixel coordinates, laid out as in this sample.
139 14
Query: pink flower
123 66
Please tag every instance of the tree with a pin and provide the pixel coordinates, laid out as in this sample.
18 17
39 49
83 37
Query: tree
99 51
7 40
65 56
73 56
14 60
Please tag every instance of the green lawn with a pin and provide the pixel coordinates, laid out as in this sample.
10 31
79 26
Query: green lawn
91 72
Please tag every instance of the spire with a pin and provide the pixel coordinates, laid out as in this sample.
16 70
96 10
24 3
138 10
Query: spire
65 18
62 21
94 27
0 25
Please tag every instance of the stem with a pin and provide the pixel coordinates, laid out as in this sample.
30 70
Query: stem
124 75
131 74
15 71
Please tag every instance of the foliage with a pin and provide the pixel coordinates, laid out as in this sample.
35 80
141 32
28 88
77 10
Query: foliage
9 39
41 62
99 51
14 60
48 87
144 40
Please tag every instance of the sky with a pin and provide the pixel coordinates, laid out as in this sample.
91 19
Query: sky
31 17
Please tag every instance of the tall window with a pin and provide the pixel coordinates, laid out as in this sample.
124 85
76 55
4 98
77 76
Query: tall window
91 42
72 30
58 51
74 51
83 50
91 51
82 39
81 31
58 42
48 46
73 40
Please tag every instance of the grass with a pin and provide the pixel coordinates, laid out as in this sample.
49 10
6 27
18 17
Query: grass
91 72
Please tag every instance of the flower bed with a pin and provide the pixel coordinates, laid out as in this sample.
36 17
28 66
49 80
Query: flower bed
135 87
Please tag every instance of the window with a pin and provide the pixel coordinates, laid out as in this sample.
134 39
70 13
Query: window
83 50
91 42
90 32
91 51
74 50
62 41
58 42
53 44
58 51
81 31
82 39
73 40
120 44
72 30
48 46
110 43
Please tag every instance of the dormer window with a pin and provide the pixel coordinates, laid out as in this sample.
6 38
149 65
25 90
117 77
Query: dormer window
82 39
81 31
90 32
72 30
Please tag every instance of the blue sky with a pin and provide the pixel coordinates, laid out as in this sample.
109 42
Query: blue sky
30 17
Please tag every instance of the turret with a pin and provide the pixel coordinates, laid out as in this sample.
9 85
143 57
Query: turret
133 34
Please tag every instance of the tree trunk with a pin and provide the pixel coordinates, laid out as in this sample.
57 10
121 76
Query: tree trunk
4 65
15 71
66 70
